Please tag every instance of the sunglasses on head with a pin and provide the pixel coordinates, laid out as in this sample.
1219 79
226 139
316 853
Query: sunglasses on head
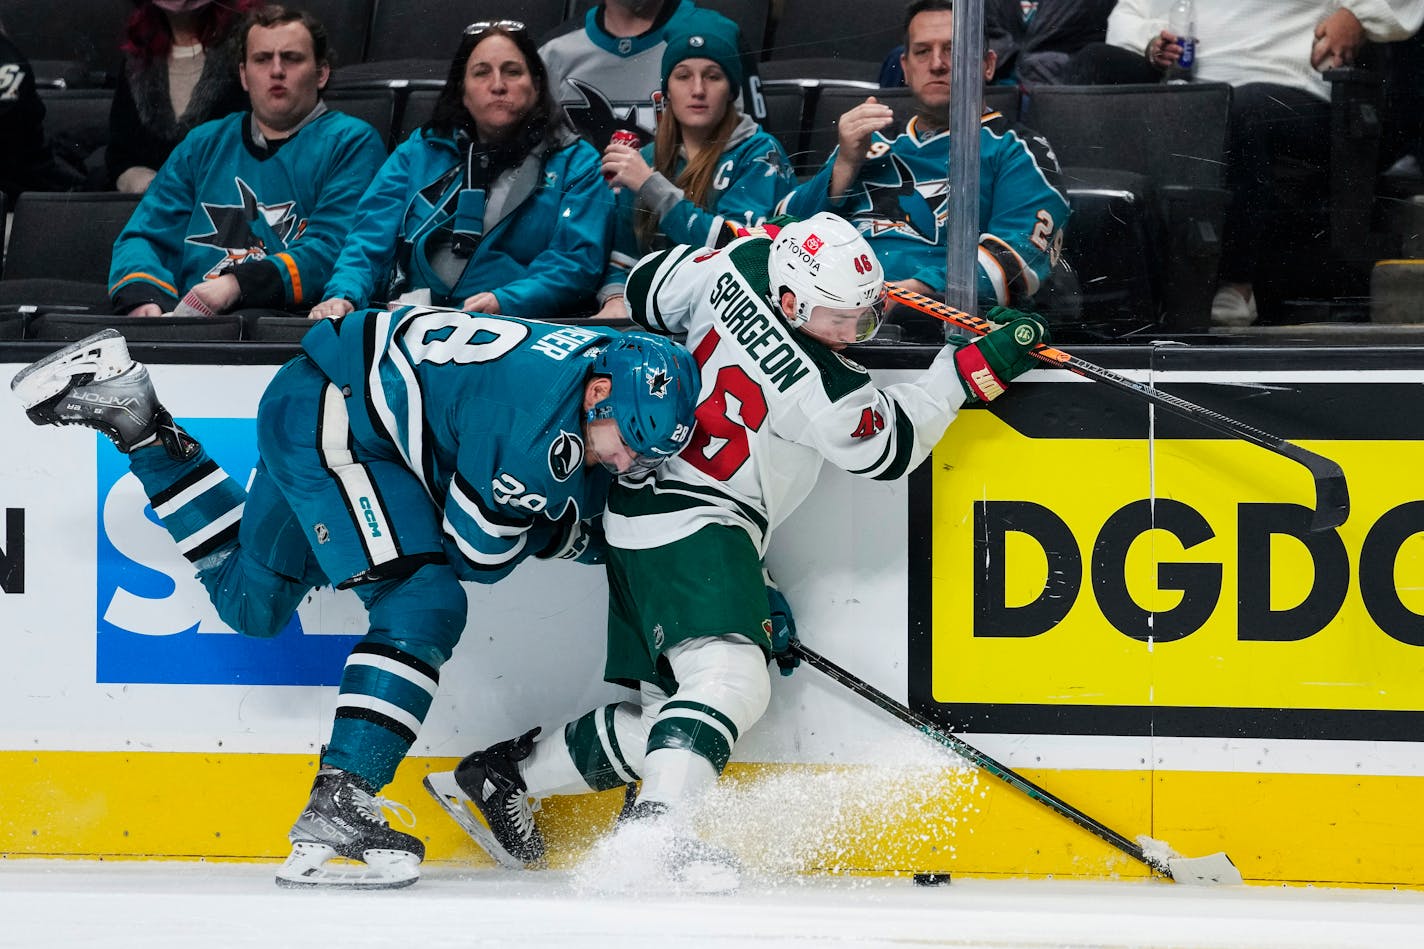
509 26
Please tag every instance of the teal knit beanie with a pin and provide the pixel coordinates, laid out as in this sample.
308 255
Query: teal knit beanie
705 35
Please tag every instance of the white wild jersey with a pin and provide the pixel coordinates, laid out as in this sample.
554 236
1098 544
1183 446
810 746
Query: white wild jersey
773 404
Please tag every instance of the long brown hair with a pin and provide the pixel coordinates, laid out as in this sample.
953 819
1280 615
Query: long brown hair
696 179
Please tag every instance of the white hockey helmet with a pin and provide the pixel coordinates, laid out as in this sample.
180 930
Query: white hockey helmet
838 283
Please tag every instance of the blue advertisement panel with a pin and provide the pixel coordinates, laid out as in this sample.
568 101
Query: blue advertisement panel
143 584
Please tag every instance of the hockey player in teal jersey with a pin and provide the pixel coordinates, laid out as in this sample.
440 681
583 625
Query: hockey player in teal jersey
251 210
690 624
892 182
402 453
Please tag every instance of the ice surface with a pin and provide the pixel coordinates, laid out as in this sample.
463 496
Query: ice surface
167 905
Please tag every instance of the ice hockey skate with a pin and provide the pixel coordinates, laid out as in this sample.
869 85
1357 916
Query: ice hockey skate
487 797
343 819
653 850
95 383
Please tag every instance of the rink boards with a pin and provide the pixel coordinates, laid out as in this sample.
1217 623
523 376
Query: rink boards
1122 607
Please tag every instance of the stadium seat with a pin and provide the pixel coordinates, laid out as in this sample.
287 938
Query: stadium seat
136 329
347 24
76 42
65 236
414 39
858 31
77 126
786 117
417 104
59 248
374 105
1174 137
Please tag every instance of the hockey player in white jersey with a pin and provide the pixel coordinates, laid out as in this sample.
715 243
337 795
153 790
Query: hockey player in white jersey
689 618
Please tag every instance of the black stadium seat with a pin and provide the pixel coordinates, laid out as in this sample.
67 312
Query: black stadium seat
347 24
414 39
1173 139
863 31
75 40
59 248
374 105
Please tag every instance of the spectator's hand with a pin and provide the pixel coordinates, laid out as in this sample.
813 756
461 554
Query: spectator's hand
481 303
1338 38
624 167
147 309
613 309
1164 50
331 309
219 294
134 180
854 128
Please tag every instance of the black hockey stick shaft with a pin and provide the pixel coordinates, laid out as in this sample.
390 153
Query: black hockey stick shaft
977 758
1332 495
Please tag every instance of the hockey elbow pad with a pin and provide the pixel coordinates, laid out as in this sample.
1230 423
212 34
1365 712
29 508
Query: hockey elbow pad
987 365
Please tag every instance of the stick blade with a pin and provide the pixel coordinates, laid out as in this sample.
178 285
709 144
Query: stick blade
1212 870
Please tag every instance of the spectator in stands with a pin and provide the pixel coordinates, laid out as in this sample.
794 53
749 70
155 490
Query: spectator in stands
1272 54
1033 40
251 210
180 71
892 182
495 205
708 164
26 162
604 70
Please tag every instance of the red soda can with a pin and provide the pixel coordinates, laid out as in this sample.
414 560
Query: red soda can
623 137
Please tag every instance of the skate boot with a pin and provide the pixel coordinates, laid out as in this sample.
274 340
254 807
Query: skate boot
96 384
343 819
652 850
487 797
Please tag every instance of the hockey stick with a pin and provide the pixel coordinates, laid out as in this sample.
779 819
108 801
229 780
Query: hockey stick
1332 496
1161 858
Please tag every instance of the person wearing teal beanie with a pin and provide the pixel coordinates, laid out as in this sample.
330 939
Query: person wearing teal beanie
708 165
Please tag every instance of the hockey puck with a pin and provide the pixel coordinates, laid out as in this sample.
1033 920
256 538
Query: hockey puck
931 879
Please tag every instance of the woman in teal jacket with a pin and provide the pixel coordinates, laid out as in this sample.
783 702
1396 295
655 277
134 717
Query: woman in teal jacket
708 165
493 206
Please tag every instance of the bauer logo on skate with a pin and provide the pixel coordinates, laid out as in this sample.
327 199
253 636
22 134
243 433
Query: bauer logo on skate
1194 601
154 621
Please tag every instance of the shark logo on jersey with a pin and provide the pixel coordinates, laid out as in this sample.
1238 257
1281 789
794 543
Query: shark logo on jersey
658 384
895 201
595 118
248 230
565 455
776 167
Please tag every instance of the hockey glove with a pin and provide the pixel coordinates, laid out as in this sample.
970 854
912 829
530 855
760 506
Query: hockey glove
783 632
989 363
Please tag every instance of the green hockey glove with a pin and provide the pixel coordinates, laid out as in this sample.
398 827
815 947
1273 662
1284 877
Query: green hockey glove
989 363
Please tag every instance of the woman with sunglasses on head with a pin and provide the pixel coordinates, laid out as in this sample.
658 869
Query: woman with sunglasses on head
493 206
180 71
708 167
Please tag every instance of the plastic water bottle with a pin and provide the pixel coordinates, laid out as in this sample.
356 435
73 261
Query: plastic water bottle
1182 24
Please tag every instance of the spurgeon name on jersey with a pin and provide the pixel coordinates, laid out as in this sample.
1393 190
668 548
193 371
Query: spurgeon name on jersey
773 404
